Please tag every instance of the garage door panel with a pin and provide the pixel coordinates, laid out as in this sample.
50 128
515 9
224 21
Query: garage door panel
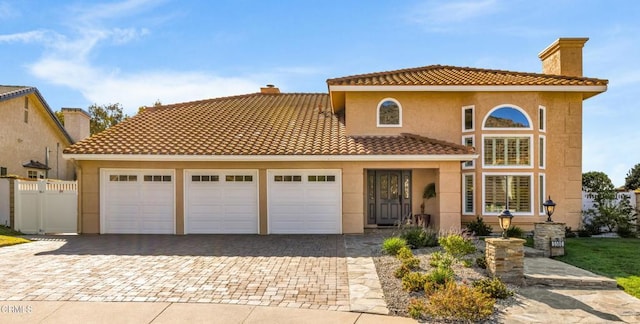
310 205
132 205
227 205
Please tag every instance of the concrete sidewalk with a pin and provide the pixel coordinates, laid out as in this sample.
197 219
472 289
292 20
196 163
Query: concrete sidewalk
156 313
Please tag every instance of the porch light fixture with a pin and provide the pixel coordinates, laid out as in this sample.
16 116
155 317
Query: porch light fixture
505 221
549 208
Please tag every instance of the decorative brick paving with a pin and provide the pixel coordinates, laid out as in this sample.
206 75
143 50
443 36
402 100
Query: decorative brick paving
301 271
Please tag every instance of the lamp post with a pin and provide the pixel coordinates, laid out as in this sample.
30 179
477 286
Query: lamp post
505 221
549 208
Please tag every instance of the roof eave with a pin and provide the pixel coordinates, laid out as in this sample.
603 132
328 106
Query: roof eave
268 158
472 88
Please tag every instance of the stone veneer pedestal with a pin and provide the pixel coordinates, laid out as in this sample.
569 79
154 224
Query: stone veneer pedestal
505 259
545 233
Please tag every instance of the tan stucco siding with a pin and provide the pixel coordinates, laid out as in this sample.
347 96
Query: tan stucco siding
563 152
435 115
21 142
439 115
353 186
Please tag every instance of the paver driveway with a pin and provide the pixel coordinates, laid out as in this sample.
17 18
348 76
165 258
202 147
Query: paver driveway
305 271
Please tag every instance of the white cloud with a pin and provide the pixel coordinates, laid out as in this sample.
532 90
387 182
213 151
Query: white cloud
436 15
134 90
67 61
6 11
34 36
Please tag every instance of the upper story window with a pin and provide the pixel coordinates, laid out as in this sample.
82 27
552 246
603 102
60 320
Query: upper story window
389 113
468 114
542 117
506 151
506 118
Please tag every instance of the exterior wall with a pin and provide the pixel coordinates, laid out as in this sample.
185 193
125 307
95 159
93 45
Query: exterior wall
430 114
563 153
353 187
21 142
439 115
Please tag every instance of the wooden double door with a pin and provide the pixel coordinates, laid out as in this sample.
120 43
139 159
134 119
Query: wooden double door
388 196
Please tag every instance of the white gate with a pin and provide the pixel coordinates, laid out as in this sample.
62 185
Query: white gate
46 206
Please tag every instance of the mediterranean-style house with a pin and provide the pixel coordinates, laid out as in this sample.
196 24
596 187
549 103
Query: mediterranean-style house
32 139
361 155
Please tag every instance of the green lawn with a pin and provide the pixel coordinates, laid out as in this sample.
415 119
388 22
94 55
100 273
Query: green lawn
617 258
8 237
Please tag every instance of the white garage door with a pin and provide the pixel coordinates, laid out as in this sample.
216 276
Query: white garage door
137 201
221 201
304 201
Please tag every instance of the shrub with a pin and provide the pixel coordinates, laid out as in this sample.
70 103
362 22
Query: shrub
493 287
584 233
456 245
411 263
467 263
515 231
440 260
479 228
416 308
393 244
432 237
414 281
568 233
459 302
440 275
418 237
625 231
481 261
401 271
404 253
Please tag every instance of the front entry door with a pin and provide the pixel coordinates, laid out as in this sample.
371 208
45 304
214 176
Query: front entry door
392 196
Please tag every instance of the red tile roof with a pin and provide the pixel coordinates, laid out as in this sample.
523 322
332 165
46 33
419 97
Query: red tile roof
253 124
442 75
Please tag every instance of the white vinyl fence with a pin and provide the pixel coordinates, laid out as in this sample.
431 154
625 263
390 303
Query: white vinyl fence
587 199
46 206
5 203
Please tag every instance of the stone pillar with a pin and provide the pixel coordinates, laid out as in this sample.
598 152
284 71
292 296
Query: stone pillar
549 237
505 259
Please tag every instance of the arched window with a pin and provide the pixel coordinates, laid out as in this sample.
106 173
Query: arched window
389 113
506 117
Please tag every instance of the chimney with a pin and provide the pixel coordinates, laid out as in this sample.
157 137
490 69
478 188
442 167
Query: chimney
270 89
563 57
76 123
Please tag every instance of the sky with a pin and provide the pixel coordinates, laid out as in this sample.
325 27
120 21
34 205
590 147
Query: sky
136 52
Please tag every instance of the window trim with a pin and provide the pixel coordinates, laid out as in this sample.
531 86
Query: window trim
472 164
542 192
464 194
399 113
542 152
473 117
542 122
531 192
531 152
486 116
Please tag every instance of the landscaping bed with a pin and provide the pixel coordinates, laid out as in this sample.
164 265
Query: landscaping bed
399 299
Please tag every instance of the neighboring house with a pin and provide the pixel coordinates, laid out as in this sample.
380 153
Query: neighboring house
359 156
32 139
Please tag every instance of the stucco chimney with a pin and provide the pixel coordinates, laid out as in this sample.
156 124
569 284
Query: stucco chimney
270 88
563 57
76 123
